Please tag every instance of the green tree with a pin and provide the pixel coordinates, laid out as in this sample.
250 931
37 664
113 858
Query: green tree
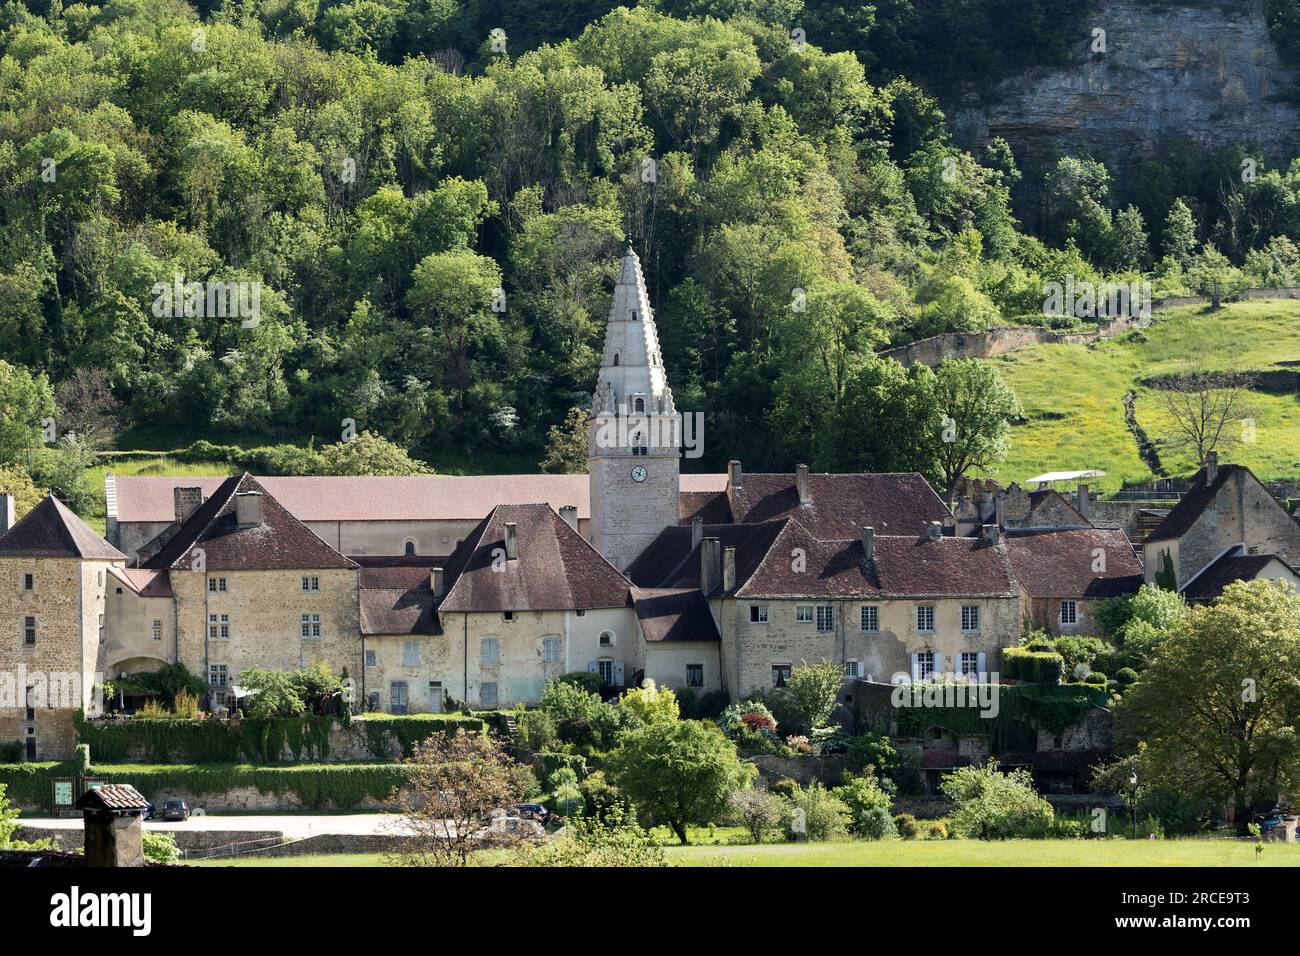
650 704
814 689
369 454
1180 233
991 805
678 772
566 446
1218 705
977 409
26 400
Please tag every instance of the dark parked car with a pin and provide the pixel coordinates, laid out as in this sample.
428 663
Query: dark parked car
176 810
533 811
150 812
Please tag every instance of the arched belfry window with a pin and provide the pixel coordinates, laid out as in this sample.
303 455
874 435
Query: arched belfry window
638 444
632 315
615 358
639 405
410 547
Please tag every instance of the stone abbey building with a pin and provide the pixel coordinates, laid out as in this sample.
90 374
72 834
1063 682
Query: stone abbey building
439 591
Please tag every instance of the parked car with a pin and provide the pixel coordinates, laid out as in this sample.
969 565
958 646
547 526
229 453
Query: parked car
534 811
176 810
150 812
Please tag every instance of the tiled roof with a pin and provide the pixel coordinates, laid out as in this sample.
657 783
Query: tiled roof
1060 563
799 565
397 600
711 507
50 530
144 582
892 503
1199 497
281 542
671 562
1228 567
674 614
556 568
383 498
113 796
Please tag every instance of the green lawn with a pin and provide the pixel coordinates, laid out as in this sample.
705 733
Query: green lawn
1072 394
1192 852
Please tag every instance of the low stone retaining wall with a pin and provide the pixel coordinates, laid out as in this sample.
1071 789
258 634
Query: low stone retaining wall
335 843
73 838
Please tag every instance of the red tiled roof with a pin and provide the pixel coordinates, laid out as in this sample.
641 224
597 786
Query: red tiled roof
799 565
556 568
397 600
674 614
670 562
711 507
1059 564
385 498
51 530
113 796
280 542
892 503
146 583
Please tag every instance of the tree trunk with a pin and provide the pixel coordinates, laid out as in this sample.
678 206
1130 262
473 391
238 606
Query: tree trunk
680 830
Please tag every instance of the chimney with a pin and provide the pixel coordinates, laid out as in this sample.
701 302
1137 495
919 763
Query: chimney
6 511
1083 500
697 532
868 539
950 525
1211 467
997 509
437 582
113 834
801 483
186 500
570 515
248 509
992 533
512 541
710 565
735 474
729 569
933 531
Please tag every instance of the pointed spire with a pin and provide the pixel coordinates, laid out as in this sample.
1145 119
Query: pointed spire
632 365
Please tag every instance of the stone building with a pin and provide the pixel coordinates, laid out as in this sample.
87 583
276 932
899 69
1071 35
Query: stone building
1226 513
1063 574
54 572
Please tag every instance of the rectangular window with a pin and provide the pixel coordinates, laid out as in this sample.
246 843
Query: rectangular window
605 669
825 617
370 661
925 617
758 613
29 582
550 650
411 654
970 617
803 614
217 675
871 618
310 582
507 615
397 697
694 675
217 585
29 631
219 627
970 663
852 669
1069 612
489 652
780 674
487 694
157 630
924 664
310 625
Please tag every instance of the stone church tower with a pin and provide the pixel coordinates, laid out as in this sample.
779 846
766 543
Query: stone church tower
634 432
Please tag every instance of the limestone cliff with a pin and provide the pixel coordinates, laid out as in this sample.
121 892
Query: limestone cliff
1207 71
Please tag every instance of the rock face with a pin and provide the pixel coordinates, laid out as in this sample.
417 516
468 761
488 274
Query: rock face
1207 71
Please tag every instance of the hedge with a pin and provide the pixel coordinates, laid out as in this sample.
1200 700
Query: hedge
207 741
1039 667
317 785
410 730
1052 708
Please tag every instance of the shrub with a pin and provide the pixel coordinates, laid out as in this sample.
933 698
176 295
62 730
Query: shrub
996 806
1039 667
760 812
600 798
938 830
11 751
1079 650
824 816
873 752
814 689
784 787
706 706
565 794
905 824
612 841
1096 677
536 729
868 807
160 847
733 720
1126 675
648 704
586 680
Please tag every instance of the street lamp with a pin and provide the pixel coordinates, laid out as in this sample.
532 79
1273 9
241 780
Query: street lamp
1133 800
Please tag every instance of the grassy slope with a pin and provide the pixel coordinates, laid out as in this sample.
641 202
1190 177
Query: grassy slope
1201 852
1072 393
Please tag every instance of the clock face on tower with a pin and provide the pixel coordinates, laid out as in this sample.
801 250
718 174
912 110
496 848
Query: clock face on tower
639 473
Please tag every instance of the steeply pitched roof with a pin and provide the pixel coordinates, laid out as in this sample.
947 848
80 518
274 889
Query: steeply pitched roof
1199 497
281 542
799 565
556 568
892 503
711 507
384 498
144 582
397 600
1230 566
50 530
674 614
670 560
1060 563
